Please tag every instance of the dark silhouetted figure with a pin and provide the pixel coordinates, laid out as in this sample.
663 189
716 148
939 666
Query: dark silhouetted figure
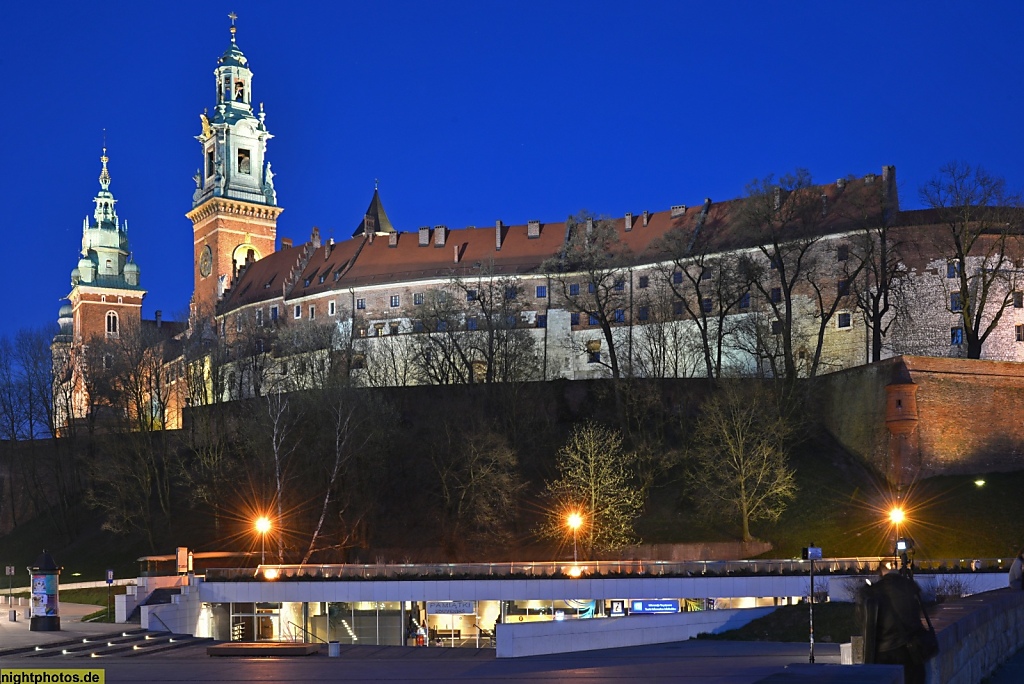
891 612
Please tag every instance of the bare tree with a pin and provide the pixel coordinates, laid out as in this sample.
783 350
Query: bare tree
591 275
982 224
595 479
739 456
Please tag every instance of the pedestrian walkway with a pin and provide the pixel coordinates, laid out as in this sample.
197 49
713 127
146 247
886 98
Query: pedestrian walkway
18 635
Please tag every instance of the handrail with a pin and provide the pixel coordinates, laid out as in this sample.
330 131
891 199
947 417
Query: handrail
592 569
157 617
306 631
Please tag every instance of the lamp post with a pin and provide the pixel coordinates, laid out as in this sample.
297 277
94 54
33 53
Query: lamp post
574 521
896 516
263 526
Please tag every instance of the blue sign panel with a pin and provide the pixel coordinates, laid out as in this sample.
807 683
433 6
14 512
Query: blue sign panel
660 606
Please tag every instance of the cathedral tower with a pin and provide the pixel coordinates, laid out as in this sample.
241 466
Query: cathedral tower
105 293
234 207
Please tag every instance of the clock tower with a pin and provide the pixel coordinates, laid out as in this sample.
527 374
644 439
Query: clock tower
234 206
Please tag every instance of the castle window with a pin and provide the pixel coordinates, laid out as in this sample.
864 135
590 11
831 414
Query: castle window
378 330
395 300
1018 300
331 308
776 295
644 313
844 320
592 320
312 312
620 315
644 282
677 277
705 274
298 311
844 288
677 308
542 291
542 320
594 351
955 304
471 323
259 318
470 295
417 298
394 328
620 285
442 326
842 253
238 322
776 327
956 336
510 292
273 313
112 324
209 162
591 288
1018 331
360 303
952 269
574 319
108 362
705 305
745 301
239 91
243 161
774 262
574 289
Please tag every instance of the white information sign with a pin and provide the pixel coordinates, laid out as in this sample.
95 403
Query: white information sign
451 607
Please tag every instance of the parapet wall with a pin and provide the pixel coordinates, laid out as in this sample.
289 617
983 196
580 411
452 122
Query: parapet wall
976 635
966 415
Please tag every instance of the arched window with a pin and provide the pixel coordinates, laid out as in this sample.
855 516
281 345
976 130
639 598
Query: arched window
112 327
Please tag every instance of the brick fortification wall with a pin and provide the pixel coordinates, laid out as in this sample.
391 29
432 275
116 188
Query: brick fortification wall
965 421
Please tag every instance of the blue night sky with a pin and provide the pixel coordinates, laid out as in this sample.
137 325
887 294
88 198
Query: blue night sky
469 112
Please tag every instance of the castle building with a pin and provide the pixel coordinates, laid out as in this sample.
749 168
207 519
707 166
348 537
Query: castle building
789 283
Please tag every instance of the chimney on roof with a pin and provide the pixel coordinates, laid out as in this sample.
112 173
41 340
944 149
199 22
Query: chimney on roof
840 183
393 239
497 235
369 224
440 233
424 236
314 238
159 318
627 222
869 179
590 226
328 248
533 230
678 210
456 253
647 217
286 242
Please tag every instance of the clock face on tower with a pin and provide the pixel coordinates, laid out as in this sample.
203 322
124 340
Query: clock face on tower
206 262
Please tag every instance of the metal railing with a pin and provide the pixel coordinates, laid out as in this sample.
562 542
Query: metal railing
599 569
305 631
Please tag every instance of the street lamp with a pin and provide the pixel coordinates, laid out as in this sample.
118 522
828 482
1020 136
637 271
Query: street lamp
574 521
897 516
263 526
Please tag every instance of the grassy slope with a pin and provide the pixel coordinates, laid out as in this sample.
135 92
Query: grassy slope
833 623
840 507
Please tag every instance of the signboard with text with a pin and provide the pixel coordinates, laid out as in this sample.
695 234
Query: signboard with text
654 607
451 607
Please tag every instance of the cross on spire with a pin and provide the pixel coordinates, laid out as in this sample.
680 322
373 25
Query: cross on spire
232 16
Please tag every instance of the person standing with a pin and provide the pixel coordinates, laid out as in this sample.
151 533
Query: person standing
1016 571
891 612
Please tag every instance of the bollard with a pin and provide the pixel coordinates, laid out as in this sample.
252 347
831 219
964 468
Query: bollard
334 649
12 616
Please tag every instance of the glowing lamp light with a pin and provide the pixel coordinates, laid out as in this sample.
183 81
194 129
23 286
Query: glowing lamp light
979 483
270 573
263 524
897 516
575 572
574 521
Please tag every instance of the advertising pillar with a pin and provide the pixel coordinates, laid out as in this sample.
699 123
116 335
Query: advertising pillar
45 605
